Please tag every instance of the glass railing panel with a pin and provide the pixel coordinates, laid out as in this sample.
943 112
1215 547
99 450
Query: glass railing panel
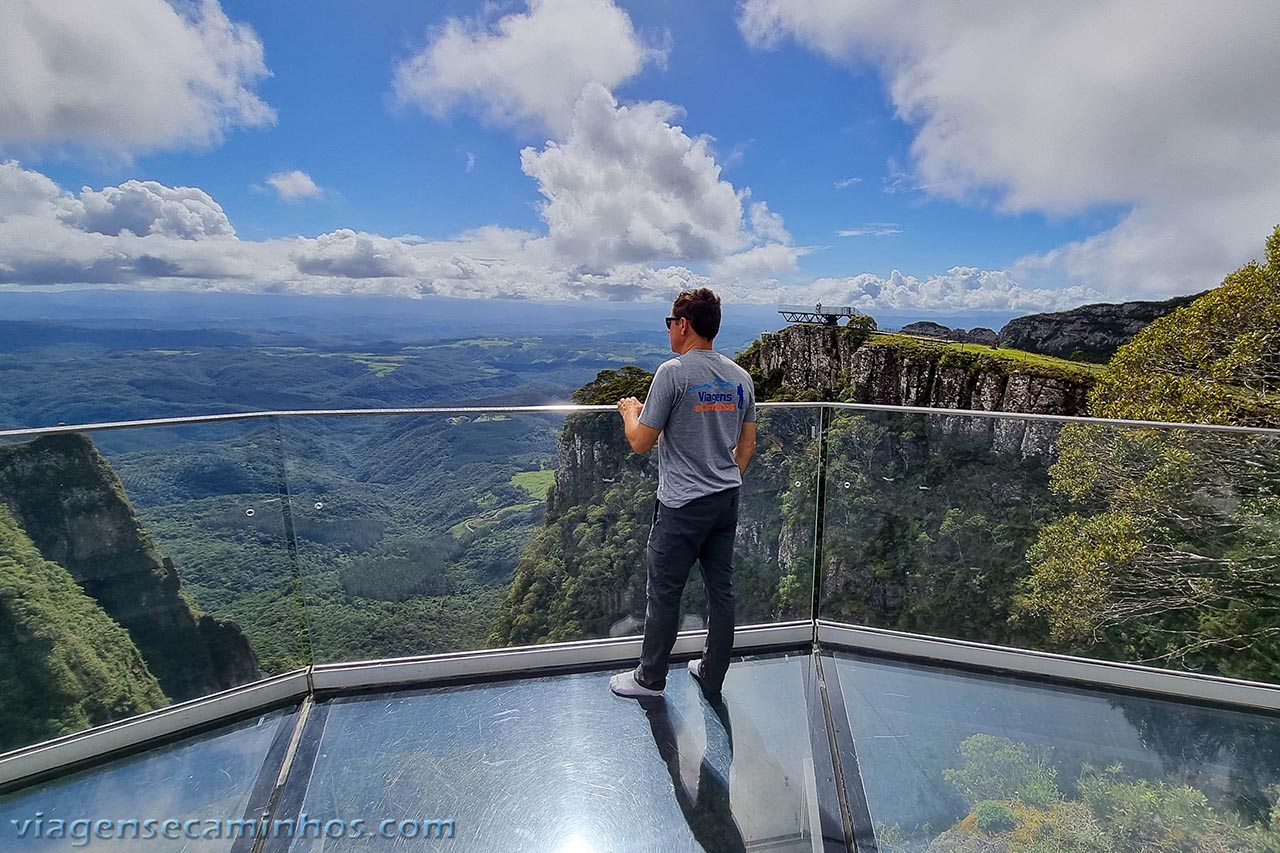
927 520
774 566
141 567
560 763
950 760
206 794
420 534
1144 545
603 524
410 527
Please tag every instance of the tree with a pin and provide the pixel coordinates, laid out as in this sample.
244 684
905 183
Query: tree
1172 553
1215 361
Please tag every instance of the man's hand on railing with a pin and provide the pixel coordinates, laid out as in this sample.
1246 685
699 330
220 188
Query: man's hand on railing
641 438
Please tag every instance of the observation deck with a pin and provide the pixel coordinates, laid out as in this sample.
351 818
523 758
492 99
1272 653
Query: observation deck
848 721
819 314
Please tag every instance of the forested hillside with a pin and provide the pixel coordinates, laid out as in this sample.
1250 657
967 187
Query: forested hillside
1168 550
67 664
71 506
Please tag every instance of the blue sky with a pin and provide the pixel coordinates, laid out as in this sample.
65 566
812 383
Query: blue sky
1026 157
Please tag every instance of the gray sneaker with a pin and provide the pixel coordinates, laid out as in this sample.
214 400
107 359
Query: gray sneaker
695 669
625 684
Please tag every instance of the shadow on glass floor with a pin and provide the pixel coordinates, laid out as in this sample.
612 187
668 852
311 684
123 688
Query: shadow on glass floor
561 764
192 795
955 761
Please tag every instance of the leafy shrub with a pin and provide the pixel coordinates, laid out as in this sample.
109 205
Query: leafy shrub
1143 815
1013 796
996 768
993 816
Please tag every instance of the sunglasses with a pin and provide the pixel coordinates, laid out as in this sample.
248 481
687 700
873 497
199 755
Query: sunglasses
671 320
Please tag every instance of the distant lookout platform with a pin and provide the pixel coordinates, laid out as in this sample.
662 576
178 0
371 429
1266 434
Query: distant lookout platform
820 315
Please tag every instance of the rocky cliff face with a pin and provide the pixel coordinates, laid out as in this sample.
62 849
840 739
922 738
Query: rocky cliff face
821 363
592 453
1089 333
68 501
67 665
846 365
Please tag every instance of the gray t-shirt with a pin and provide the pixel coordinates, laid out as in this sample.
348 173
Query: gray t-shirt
699 401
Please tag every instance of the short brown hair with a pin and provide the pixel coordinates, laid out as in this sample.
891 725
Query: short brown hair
701 308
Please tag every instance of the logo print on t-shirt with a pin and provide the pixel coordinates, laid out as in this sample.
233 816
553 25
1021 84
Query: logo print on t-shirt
716 396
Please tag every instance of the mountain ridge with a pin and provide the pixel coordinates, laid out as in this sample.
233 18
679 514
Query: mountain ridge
1090 332
68 501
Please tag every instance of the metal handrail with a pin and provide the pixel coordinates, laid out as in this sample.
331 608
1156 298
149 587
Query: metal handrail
572 408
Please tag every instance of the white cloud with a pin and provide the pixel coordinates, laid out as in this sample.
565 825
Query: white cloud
148 236
758 265
348 254
624 186
126 76
960 289
772 257
767 225
23 192
737 154
1168 109
872 229
899 180
294 186
847 182
628 186
525 68
147 207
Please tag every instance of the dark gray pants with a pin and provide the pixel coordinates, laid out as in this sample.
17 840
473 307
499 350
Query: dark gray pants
701 530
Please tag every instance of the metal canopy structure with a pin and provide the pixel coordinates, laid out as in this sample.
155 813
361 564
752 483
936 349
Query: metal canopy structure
819 314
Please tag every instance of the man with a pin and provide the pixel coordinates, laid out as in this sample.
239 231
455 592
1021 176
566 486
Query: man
701 413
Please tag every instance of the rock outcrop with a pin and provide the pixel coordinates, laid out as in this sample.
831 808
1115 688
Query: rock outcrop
927 327
818 363
68 501
976 335
1089 333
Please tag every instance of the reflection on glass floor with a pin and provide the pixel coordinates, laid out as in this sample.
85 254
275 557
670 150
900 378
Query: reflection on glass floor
953 761
218 777
561 764
934 759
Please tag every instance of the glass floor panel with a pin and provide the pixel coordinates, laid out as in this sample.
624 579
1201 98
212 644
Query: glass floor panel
561 764
956 761
214 779
934 759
